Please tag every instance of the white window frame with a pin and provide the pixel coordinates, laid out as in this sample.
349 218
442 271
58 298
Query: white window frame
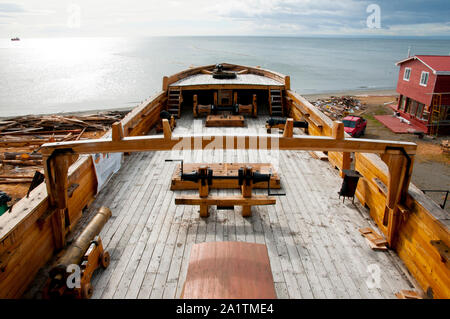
409 74
422 77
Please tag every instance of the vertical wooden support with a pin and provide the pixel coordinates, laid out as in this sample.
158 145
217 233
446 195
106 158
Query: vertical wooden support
165 85
166 129
117 131
289 128
215 98
398 183
255 106
270 102
287 82
346 161
56 168
338 133
235 98
247 192
203 191
195 104
172 122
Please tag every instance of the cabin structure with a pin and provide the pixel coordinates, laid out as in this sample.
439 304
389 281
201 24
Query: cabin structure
424 88
187 202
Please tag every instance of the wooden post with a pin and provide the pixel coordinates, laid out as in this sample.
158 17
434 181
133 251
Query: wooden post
255 106
117 131
215 98
346 161
56 168
287 82
247 192
166 129
338 132
270 102
195 103
203 191
289 128
398 184
165 85
235 98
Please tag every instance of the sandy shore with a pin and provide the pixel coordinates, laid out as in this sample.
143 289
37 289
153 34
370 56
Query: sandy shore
357 93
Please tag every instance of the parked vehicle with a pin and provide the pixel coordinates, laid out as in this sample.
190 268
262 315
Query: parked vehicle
355 125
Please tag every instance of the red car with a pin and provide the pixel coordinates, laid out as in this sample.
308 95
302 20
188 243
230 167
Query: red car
354 125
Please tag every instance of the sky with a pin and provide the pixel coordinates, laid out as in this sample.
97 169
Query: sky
135 18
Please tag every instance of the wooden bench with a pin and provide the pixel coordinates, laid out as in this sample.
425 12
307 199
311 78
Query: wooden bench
229 270
225 121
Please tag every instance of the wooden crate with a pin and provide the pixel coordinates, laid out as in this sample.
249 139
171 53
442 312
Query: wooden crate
225 121
224 169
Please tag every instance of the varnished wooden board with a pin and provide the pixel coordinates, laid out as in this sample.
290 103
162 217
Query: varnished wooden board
225 200
229 270
225 121
224 169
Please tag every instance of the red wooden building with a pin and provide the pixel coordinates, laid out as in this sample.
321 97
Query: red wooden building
424 88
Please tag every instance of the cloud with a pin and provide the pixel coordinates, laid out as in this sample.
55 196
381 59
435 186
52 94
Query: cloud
11 8
231 17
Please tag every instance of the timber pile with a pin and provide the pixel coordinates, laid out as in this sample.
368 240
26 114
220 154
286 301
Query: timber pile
339 107
34 130
48 124
21 138
445 145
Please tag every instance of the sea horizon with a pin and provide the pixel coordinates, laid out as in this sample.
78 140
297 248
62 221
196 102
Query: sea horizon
71 74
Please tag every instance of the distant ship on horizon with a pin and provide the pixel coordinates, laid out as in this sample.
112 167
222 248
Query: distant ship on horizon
15 39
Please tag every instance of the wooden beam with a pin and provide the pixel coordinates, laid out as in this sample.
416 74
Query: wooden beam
225 200
398 184
117 131
166 129
158 143
338 131
289 128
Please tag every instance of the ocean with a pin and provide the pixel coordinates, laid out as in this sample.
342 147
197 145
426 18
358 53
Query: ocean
79 74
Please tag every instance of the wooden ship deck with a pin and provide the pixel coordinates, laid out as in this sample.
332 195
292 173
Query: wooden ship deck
314 241
314 245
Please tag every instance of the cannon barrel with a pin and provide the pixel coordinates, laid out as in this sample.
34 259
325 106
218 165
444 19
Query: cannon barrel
298 124
77 249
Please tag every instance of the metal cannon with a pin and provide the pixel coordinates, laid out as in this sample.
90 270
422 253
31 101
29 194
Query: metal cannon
87 253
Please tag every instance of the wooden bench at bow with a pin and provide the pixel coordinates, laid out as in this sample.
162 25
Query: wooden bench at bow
229 270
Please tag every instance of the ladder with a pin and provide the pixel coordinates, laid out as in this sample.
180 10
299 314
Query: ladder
174 102
435 114
275 99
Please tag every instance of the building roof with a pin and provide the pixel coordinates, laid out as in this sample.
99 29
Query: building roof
439 64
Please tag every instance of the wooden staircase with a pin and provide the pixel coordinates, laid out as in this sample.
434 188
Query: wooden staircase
275 100
174 102
435 114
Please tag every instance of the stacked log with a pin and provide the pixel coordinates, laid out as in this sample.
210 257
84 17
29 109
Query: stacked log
54 124
445 146
22 137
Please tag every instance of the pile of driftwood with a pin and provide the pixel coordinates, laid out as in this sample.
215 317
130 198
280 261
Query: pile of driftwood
37 130
445 146
21 139
339 107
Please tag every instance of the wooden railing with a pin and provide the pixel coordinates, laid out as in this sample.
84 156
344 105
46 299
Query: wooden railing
423 232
